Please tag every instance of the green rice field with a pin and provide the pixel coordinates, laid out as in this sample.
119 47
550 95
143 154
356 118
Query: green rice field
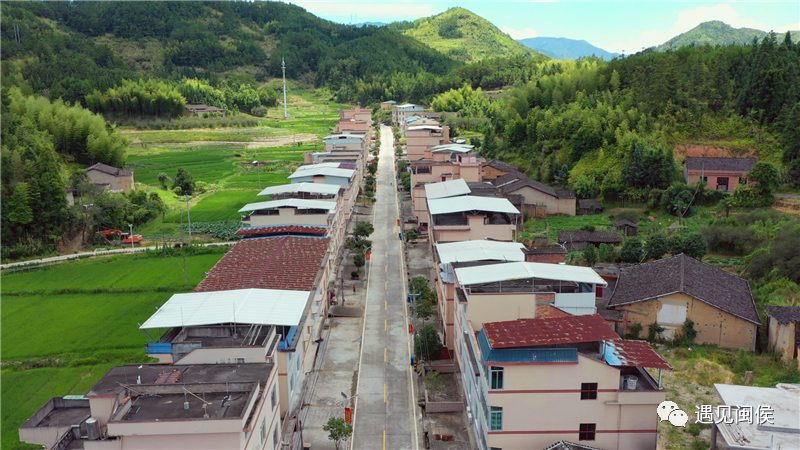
221 205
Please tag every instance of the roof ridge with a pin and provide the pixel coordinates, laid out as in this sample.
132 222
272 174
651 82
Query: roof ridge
683 269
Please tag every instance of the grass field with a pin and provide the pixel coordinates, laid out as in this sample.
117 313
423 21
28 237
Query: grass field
222 205
67 342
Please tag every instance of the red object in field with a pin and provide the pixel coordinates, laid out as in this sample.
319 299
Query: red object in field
348 415
368 253
124 237
398 222
411 328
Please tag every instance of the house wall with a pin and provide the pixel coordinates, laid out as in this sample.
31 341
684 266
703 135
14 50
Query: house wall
499 307
554 205
418 140
287 216
713 326
420 205
338 181
781 338
474 230
423 121
116 183
490 173
344 126
713 176
401 114
549 258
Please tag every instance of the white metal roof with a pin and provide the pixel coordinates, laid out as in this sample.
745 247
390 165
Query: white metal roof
523 270
425 127
311 188
452 148
408 105
444 189
299 203
782 431
480 251
253 306
318 165
323 170
470 203
333 137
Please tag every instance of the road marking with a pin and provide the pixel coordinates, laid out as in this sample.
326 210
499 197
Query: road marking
385 268
386 285
384 439
385 254
384 324
384 354
385 304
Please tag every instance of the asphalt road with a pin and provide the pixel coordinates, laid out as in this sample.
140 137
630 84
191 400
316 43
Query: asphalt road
384 407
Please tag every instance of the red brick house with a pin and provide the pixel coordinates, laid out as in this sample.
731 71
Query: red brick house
722 174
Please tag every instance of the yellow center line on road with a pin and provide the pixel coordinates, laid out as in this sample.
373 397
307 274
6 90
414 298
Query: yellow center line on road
385 322
385 304
386 285
385 254
385 268
384 354
384 439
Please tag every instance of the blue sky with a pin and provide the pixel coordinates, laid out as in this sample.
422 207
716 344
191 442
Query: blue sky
611 25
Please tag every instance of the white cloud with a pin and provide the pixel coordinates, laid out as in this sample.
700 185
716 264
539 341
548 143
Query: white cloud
368 11
519 34
691 18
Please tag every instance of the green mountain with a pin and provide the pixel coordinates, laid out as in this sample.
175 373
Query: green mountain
463 36
719 33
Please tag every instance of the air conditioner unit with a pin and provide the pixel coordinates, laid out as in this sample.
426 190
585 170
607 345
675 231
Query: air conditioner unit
469 410
469 417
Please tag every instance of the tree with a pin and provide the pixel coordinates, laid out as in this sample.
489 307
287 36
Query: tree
767 177
163 179
427 344
338 430
18 209
363 230
607 253
632 250
359 260
411 235
692 244
562 176
727 203
590 254
372 168
656 246
185 181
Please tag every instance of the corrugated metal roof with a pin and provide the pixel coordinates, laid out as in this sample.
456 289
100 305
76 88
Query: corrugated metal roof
452 148
333 137
470 203
444 189
426 127
633 354
524 270
480 251
328 169
557 330
252 306
526 355
289 229
298 203
311 188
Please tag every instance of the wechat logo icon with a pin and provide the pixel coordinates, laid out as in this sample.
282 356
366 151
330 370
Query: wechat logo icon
669 411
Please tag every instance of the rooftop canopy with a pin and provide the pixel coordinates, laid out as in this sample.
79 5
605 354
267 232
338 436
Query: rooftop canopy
251 306
322 169
538 332
633 354
444 189
470 203
310 188
480 251
525 270
452 148
299 203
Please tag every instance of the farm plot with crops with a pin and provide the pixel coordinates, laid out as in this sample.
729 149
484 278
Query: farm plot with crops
221 205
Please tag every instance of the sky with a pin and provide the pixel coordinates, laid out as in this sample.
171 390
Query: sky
615 26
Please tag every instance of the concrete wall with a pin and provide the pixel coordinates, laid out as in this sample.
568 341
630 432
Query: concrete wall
418 140
475 230
781 338
286 216
549 258
490 173
116 183
713 325
499 307
713 177
554 205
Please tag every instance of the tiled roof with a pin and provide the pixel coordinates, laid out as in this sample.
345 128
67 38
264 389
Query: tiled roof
564 445
548 311
500 165
100 167
558 330
524 355
603 237
686 275
784 314
287 263
624 222
516 180
626 353
724 164
273 230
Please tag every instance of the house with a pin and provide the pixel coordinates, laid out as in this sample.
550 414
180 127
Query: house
589 206
779 429
333 173
289 211
111 177
469 217
387 104
669 291
538 198
424 137
199 110
192 406
564 445
551 254
495 169
271 270
722 174
578 239
573 374
626 227
784 334
415 121
452 255
403 112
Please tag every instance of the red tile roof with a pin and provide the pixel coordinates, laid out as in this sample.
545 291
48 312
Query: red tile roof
636 354
282 229
552 331
548 311
286 263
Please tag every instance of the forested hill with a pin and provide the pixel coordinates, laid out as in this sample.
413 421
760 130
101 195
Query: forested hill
97 44
563 48
463 35
720 33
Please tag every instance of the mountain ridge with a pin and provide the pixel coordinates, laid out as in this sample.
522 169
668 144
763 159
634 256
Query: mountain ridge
566 48
716 32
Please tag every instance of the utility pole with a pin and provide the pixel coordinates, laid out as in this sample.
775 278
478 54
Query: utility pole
283 68
131 235
189 217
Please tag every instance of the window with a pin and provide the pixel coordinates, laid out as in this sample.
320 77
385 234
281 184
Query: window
496 419
273 400
588 391
705 179
586 432
263 431
275 437
496 377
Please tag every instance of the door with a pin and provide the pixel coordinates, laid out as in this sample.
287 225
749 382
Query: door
722 184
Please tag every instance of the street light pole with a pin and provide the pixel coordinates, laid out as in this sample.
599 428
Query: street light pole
130 236
345 398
